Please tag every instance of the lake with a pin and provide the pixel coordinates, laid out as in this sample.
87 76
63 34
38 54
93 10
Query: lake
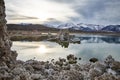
90 46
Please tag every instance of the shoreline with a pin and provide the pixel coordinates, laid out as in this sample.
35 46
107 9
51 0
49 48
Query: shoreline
63 69
44 36
71 32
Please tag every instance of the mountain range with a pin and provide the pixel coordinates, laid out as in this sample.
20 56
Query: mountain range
87 27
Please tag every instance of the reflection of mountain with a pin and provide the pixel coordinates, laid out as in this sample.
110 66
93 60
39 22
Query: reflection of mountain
109 39
104 39
64 43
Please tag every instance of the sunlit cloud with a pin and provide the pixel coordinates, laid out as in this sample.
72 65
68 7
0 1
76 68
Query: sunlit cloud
57 11
40 9
20 17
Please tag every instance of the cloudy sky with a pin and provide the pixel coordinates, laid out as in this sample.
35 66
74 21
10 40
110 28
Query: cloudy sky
61 11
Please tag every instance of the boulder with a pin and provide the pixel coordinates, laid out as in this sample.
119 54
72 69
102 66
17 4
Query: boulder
73 75
93 73
106 76
109 60
93 60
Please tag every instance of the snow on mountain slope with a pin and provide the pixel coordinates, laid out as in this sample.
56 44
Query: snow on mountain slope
91 26
88 27
81 26
113 28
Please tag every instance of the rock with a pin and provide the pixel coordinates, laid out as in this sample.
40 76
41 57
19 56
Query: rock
25 76
20 62
67 67
93 60
73 75
47 66
110 71
29 68
62 60
35 64
106 76
109 60
51 78
79 58
93 73
70 57
56 68
115 65
4 75
59 63
71 61
14 55
3 64
100 67
16 78
18 70
75 58
37 67
86 67
77 67
35 76
52 60
6 55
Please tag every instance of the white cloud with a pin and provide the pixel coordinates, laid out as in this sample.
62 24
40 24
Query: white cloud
86 11
41 9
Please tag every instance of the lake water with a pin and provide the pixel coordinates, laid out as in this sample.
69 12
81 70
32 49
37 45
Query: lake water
90 46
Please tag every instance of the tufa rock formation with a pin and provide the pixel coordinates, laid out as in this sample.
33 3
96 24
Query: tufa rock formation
6 55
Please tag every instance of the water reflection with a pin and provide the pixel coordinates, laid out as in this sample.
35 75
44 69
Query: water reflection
108 39
95 46
82 40
64 44
42 49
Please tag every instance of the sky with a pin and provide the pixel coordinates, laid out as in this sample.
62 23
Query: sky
101 12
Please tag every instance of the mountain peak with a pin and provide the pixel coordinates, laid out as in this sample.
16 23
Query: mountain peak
89 27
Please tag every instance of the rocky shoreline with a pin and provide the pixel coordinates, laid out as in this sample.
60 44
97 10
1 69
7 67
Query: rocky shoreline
63 69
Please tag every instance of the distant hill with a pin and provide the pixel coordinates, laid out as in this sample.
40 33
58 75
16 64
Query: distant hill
30 27
112 28
72 27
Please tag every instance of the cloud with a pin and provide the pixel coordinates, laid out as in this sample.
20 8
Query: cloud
94 11
41 9
20 17
86 11
51 19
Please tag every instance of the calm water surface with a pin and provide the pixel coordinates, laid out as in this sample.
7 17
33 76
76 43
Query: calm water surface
90 46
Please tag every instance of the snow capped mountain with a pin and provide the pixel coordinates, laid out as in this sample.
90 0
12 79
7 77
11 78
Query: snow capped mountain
81 26
87 27
91 26
112 28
